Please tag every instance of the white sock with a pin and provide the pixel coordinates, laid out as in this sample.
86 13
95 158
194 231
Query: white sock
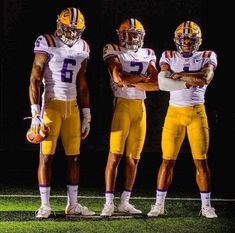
160 197
109 198
206 199
45 195
72 194
125 197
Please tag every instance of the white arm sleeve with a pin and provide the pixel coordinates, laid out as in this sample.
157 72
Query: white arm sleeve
167 84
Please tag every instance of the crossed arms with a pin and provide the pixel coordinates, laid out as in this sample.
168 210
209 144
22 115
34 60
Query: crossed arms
180 80
147 82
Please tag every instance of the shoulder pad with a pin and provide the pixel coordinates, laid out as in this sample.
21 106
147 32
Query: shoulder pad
115 47
150 52
168 54
43 43
207 54
110 50
50 40
86 47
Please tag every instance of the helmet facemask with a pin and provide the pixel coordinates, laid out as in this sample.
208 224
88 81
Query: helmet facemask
131 39
68 34
187 44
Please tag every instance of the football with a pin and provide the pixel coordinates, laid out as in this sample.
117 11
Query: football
39 137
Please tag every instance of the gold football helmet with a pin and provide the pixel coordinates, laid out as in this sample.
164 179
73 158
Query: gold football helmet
131 34
70 25
188 38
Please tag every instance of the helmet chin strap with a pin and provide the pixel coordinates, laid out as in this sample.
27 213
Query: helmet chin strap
129 42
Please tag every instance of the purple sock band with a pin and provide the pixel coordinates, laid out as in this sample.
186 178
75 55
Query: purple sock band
111 192
44 185
127 190
161 190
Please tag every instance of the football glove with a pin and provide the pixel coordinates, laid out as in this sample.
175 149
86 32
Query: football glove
36 120
86 122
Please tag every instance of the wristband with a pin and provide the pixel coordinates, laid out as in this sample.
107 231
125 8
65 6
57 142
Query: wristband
35 109
86 113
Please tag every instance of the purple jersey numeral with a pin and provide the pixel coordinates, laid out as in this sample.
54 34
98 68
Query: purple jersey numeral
38 41
139 64
66 74
186 68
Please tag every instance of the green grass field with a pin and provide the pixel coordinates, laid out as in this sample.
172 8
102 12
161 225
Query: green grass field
17 214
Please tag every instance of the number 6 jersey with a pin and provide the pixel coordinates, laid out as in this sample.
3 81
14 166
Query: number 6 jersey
62 67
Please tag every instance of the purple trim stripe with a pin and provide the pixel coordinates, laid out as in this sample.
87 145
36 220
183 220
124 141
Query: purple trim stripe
111 192
44 185
50 40
110 55
161 190
128 190
39 51
165 53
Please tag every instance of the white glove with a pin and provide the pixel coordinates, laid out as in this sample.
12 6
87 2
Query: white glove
86 112
37 120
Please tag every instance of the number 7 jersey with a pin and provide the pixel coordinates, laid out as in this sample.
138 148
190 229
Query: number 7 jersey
133 62
62 67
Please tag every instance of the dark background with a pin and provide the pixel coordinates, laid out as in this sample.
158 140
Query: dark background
24 20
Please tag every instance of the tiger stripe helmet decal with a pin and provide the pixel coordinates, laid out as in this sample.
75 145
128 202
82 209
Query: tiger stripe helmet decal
72 17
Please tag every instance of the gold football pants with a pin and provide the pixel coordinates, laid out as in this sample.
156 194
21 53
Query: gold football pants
128 127
182 120
63 118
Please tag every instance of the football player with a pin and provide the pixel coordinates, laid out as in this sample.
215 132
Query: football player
186 73
60 65
133 72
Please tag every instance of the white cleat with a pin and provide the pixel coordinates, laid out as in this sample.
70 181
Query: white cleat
208 212
107 210
156 210
43 212
126 207
78 209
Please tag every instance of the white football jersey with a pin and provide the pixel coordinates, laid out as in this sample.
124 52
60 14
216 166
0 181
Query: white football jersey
133 62
177 63
62 67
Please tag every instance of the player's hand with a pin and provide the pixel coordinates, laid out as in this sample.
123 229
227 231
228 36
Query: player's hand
36 123
175 76
85 122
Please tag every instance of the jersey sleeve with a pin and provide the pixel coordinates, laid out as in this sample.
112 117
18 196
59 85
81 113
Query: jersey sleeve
164 59
210 57
152 56
110 50
43 43
85 49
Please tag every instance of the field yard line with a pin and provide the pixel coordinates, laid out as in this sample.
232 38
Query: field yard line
134 198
